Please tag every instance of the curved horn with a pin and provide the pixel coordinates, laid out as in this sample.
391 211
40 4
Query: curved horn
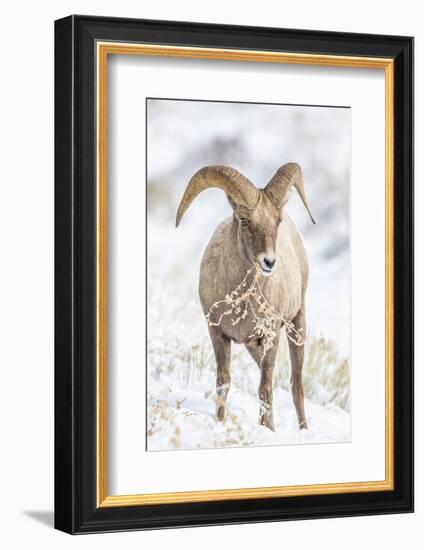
289 174
239 188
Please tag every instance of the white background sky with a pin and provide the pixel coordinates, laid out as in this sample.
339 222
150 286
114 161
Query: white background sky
26 223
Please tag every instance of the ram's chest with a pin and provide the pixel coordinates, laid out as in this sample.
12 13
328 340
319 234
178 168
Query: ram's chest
249 314
248 325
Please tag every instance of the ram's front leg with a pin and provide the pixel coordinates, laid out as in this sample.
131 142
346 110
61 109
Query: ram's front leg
266 365
222 348
266 416
296 358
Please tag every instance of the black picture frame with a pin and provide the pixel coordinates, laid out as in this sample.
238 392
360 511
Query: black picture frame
76 510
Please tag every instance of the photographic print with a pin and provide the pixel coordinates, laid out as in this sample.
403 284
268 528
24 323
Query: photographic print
248 274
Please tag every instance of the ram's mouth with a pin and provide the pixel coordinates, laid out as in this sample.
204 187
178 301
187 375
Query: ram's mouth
266 271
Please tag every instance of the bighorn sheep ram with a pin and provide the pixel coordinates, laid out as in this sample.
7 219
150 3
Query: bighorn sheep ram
259 234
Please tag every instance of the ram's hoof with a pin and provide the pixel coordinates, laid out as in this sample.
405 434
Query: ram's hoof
266 418
267 421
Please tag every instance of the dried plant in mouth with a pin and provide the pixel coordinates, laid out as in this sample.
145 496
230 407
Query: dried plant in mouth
266 321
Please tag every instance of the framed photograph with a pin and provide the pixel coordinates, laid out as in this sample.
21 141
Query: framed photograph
234 274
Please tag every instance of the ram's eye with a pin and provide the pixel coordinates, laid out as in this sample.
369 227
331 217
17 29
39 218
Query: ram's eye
243 222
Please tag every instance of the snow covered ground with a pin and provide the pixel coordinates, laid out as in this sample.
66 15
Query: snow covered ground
185 419
181 365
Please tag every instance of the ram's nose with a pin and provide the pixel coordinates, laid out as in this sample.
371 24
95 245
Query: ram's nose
267 263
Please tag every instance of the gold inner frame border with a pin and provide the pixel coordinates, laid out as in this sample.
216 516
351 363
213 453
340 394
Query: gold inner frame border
103 50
